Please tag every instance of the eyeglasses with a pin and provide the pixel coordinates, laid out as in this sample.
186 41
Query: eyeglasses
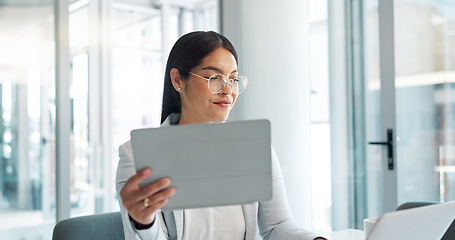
217 82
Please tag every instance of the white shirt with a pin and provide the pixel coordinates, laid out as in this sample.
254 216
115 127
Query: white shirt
221 223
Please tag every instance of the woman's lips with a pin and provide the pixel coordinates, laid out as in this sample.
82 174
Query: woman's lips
223 104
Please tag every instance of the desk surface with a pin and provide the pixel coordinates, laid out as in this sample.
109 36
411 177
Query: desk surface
347 234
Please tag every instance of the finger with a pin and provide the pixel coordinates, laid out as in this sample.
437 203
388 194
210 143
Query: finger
160 204
155 206
155 187
165 194
142 213
152 189
137 178
129 192
139 194
147 215
156 201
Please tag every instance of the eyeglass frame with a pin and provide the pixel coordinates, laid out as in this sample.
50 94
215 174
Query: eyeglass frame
229 80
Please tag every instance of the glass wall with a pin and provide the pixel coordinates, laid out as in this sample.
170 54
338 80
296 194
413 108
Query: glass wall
424 82
81 162
117 52
137 69
320 117
142 37
27 120
424 77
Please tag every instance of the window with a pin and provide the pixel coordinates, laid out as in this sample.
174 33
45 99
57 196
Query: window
142 38
320 117
117 52
27 121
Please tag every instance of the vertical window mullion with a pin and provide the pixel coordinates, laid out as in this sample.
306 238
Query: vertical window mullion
63 107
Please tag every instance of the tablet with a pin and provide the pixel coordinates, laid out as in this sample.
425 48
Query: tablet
215 164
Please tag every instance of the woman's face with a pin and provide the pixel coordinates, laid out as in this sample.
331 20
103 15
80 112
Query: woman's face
199 104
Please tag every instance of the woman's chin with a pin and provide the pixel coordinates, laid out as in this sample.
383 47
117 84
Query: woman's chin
220 118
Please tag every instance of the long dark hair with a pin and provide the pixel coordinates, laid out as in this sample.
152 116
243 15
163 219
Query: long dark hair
187 53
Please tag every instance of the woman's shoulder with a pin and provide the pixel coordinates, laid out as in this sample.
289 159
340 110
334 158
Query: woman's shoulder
127 144
126 147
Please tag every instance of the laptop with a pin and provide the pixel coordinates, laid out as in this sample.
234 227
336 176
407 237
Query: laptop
210 165
421 223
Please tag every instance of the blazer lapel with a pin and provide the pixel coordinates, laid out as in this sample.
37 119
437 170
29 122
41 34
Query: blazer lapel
173 221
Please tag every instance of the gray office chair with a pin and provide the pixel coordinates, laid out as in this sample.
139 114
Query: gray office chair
448 235
98 226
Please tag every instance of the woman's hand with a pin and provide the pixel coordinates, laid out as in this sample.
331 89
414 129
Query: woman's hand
142 211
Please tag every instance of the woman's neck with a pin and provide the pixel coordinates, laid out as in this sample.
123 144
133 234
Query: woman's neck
191 119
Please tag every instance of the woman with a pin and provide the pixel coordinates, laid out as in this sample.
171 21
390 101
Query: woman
201 86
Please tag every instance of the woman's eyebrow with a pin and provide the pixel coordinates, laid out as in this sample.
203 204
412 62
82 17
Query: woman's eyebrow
216 69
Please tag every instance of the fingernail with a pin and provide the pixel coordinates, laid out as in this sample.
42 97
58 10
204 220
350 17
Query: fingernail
146 171
166 181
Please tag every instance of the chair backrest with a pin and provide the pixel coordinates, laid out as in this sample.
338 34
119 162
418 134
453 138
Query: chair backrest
408 205
98 226
448 235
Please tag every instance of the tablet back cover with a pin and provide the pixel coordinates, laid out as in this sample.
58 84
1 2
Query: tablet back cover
209 164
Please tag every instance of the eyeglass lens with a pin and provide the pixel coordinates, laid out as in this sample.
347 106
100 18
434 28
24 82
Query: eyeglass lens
218 82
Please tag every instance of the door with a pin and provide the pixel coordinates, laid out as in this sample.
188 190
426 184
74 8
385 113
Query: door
409 72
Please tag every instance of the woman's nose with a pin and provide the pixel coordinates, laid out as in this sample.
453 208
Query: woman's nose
227 88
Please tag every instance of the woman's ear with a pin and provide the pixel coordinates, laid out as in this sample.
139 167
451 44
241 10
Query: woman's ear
176 80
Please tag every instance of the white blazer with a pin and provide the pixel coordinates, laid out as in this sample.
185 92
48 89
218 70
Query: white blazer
273 217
